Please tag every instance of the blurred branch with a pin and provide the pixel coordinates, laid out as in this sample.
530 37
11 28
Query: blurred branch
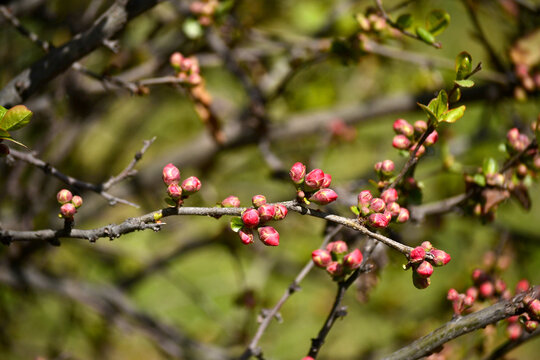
61 58
101 189
510 345
463 325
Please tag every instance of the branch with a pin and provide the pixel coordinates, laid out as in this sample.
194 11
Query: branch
510 345
60 59
463 325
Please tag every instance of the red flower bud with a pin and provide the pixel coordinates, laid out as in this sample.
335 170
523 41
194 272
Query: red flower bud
468 301
387 167
420 282
321 258
531 326
417 254
512 135
68 210
378 220
327 181
401 142
258 200
377 167
246 236
389 195
377 205
191 185
176 60
500 286
314 179
440 257
280 211
472 292
424 269
324 197
534 308
522 286
353 260
420 126
403 215
64 196
171 174
174 191
307 358
426 245
402 126
335 269
514 331
432 138
231 201
250 217
337 247
187 64
420 152
393 208
297 173
364 197
77 201
266 212
486 289
452 295
268 235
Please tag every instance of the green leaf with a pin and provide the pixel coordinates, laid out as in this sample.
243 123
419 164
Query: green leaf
464 83
355 210
4 134
479 179
439 105
425 35
404 21
463 65
432 117
454 115
456 95
9 138
3 110
192 29
437 21
15 118
490 166
236 223
170 202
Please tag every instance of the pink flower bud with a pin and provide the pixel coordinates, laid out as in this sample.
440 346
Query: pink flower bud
452 295
64 196
194 79
387 167
77 201
536 162
401 142
68 210
472 292
327 181
307 358
186 64
486 289
258 200
417 254
268 235
432 138
468 301
297 173
377 167
522 286
420 282
389 195
321 258
500 286
171 174
231 201
393 208
421 150
403 216
377 205
440 258
424 269
531 326
246 236
402 126
426 245
365 211
250 217
266 212
176 60
378 220
420 126
513 331
174 191
280 211
335 269
191 185
512 135
353 260
534 308
364 197
337 247
314 179
324 197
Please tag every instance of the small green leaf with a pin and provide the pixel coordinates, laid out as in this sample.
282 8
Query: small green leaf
3 110
404 21
192 29
490 166
437 21
236 223
355 210
425 35
464 83
479 179
456 95
439 105
454 115
463 65
432 117
404 153
15 118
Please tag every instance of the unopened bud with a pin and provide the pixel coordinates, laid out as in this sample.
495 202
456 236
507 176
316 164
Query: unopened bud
314 179
327 181
403 216
280 211
377 167
77 201
424 269
417 254
420 126
353 260
401 142
389 195
364 197
531 326
500 286
377 205
402 126
522 286
297 173
512 135
246 236
171 174
323 197
250 217
266 212
514 331
472 292
420 282
231 201
321 258
258 200
191 185
378 220
432 138
68 210
486 289
176 60
335 269
427 245
337 247
393 208
64 196
440 258
534 308
174 191
452 295
421 150
387 167
268 235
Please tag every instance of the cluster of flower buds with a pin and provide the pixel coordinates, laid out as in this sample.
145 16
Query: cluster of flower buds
256 217
312 186
529 79
407 136
378 212
204 11
529 163
341 131
337 260
422 259
186 68
178 193
69 203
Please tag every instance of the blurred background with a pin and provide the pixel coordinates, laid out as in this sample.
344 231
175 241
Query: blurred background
194 283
